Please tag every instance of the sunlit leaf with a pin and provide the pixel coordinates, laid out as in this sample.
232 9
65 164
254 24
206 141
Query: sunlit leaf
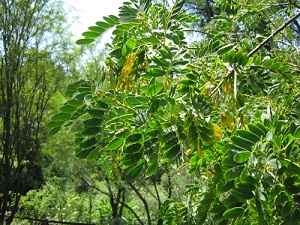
90 34
242 156
226 48
115 143
103 24
93 154
84 41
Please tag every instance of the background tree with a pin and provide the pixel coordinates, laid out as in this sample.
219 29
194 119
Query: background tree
30 74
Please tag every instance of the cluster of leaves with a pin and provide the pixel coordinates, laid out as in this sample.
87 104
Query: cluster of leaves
173 104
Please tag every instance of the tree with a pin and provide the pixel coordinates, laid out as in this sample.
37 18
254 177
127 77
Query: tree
29 76
226 107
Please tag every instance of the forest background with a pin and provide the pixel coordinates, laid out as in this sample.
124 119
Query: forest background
158 127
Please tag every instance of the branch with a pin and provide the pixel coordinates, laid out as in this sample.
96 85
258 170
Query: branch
111 196
273 35
143 200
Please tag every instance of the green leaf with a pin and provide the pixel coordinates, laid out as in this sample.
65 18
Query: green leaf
257 60
297 133
92 122
97 29
242 142
132 148
75 102
121 28
281 198
84 41
131 159
165 53
268 63
227 186
229 200
90 34
233 212
248 135
82 154
254 128
93 154
226 48
128 46
242 193
68 108
260 209
151 169
134 138
88 131
284 69
111 20
88 143
103 25
286 210
152 90
54 124
134 172
136 100
96 112
234 172
156 72
294 189
173 152
145 40
60 116
114 143
54 130
242 157
290 180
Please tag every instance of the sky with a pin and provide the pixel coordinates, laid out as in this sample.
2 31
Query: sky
88 13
